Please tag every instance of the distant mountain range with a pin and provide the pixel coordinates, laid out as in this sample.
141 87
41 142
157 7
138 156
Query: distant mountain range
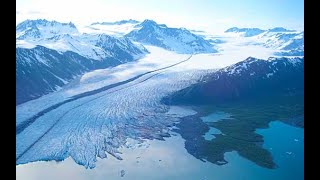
41 28
130 21
175 39
149 32
66 37
287 42
248 32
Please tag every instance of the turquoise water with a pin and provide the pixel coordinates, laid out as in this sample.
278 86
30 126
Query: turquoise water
286 144
214 117
210 134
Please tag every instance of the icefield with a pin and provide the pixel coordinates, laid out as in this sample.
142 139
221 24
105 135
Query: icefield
102 111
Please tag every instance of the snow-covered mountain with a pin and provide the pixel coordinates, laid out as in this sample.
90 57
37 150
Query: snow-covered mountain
50 53
175 39
246 79
130 21
41 28
289 43
66 37
286 42
149 32
246 32
280 29
41 70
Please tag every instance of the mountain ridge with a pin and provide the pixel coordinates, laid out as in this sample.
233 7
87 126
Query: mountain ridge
179 40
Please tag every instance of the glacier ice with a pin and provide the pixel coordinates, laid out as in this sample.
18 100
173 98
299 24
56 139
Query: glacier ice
97 125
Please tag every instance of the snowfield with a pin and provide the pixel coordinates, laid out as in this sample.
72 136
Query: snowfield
89 123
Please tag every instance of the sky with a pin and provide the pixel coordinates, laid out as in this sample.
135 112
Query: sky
208 15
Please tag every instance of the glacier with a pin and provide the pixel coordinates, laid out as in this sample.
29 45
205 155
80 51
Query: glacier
86 128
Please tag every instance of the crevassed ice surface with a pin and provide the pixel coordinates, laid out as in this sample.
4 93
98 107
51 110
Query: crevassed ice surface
97 125
90 126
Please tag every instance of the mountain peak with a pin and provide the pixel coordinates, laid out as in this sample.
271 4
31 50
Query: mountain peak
30 23
248 32
129 21
233 29
42 28
42 22
276 29
280 29
236 29
72 25
148 22
151 23
174 39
